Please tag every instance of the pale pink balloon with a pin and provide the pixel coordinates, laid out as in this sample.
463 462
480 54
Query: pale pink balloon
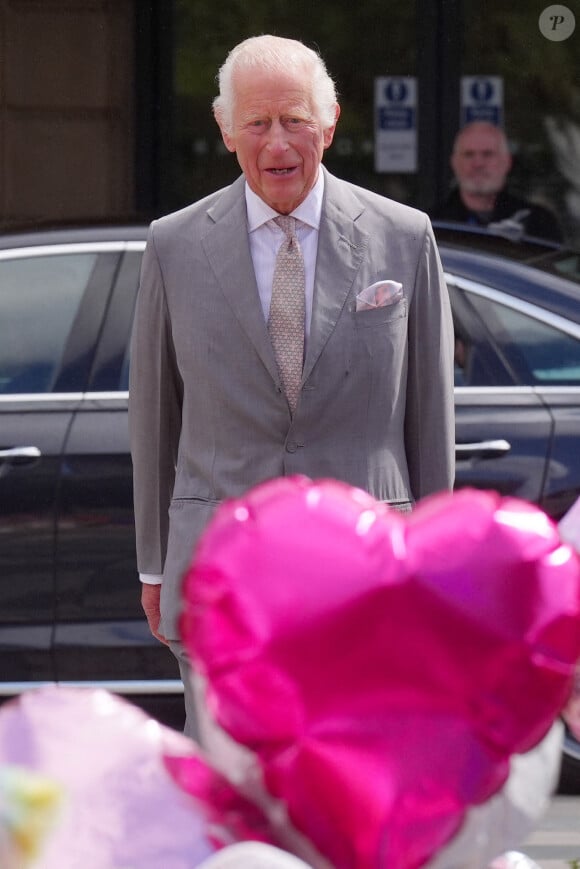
131 793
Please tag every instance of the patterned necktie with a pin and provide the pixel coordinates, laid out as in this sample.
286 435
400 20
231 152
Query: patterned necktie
286 319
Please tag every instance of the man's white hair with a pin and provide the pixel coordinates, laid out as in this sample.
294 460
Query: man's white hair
275 54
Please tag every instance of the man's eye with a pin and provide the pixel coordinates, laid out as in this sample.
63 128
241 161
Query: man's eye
293 122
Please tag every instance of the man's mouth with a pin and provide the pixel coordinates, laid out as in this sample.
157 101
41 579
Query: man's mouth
282 171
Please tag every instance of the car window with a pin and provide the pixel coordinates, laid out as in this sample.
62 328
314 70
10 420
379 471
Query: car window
568 264
111 366
537 351
477 359
39 299
124 379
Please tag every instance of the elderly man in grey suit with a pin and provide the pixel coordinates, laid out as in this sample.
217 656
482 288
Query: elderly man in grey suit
320 345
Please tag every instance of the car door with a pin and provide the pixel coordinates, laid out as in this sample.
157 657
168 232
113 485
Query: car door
504 429
101 634
49 320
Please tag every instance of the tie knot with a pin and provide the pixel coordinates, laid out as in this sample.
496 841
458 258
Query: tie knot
287 224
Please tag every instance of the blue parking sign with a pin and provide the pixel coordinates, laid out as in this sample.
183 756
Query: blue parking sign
396 124
482 99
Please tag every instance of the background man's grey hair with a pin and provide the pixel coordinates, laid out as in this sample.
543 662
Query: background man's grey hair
486 127
275 54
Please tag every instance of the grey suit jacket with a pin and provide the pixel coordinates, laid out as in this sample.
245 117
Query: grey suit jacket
208 418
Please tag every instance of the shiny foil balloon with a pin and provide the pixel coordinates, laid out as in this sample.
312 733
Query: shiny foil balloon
382 669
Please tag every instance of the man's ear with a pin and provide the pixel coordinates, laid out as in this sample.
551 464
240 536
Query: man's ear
228 139
328 134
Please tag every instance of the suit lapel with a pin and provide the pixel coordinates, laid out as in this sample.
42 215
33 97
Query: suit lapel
228 250
341 249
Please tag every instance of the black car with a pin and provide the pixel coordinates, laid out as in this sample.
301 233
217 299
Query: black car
70 608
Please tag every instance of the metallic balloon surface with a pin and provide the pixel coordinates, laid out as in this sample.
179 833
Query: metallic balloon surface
382 668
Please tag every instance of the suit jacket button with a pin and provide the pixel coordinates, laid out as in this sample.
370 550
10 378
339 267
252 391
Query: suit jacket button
291 447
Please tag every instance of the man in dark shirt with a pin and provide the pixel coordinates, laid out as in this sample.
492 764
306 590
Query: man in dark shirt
481 161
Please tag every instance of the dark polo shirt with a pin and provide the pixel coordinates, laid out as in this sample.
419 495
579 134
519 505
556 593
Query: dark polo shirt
539 222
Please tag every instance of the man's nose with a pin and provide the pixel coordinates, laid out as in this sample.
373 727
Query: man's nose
277 136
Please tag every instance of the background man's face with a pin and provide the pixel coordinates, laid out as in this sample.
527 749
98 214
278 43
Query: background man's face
480 162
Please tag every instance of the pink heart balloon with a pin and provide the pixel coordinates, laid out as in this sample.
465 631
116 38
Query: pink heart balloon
383 669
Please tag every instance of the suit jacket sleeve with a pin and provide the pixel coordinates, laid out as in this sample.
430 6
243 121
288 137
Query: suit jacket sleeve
155 399
429 421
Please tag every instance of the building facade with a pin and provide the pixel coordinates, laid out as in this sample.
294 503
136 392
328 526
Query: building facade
105 105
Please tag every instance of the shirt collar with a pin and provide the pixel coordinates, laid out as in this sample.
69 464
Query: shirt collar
308 212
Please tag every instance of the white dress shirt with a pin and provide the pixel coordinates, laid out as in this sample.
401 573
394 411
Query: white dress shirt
265 239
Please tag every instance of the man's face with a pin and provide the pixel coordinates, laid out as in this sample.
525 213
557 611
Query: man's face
480 161
277 138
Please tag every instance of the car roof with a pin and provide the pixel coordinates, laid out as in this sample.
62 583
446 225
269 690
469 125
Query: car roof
545 274
73 234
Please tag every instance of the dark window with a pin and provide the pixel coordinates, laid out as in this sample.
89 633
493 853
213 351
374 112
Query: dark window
39 300
478 360
540 353
111 367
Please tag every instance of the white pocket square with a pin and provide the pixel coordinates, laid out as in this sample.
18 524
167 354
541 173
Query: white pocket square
379 295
